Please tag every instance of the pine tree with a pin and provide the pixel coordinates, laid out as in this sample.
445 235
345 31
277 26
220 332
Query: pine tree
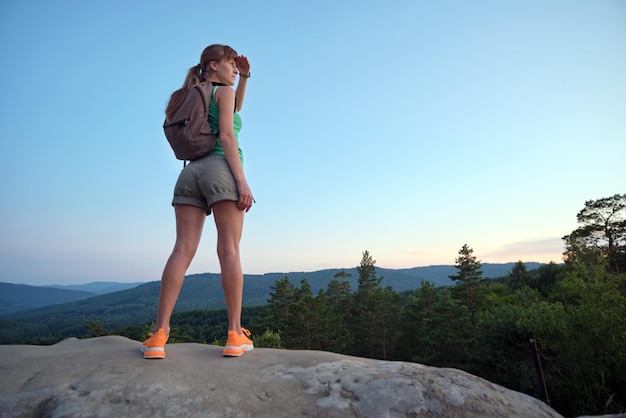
603 231
279 315
519 276
339 297
470 282
375 313
303 317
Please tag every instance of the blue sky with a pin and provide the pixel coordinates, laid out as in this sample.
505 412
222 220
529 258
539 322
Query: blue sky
405 128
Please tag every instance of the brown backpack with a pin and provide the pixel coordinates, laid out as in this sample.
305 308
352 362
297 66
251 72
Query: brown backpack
189 132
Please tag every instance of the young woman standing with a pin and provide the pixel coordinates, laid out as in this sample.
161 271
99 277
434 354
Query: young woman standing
215 183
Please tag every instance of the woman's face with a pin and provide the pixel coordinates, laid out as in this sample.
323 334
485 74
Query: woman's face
226 71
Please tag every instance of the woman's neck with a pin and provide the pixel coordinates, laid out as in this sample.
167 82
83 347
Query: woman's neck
215 81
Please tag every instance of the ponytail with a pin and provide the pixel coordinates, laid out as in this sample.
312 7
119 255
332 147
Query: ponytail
176 99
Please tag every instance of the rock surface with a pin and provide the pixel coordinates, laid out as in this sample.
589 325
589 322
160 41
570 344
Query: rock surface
107 377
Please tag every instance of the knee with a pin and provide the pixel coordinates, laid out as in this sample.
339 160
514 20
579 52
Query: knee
184 254
227 251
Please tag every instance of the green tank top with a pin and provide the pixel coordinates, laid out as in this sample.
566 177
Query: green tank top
214 117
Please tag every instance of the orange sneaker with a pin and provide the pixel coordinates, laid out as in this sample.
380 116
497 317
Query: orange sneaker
237 344
154 347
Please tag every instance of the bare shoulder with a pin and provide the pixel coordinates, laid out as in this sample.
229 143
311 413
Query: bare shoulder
224 92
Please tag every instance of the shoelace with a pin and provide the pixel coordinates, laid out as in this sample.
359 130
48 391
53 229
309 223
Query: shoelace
152 334
245 331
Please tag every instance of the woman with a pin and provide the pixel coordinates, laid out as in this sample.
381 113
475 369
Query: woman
215 183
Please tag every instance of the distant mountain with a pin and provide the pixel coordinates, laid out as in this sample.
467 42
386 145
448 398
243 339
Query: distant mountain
20 297
440 275
399 279
98 288
138 305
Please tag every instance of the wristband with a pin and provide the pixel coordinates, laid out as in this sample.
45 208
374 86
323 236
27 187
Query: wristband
245 75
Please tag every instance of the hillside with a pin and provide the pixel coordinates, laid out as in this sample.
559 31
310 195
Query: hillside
21 297
138 305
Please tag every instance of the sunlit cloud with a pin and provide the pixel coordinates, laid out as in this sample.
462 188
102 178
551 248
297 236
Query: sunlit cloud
539 250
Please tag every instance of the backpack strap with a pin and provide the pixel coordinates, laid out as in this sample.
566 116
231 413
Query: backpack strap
205 106
203 96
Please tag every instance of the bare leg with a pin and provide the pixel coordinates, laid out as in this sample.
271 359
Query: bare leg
189 223
229 223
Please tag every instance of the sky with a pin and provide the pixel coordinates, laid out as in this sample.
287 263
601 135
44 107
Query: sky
402 128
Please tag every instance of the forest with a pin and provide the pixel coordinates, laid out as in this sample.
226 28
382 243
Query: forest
557 332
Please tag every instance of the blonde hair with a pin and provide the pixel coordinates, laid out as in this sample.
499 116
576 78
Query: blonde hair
197 74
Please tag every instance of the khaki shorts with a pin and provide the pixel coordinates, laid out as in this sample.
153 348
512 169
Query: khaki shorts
204 182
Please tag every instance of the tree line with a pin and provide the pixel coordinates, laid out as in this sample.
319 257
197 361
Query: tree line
574 311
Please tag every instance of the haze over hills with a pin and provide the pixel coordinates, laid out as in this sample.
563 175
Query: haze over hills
21 297
98 288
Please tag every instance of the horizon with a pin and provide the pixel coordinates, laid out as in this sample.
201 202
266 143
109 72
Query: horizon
263 274
403 128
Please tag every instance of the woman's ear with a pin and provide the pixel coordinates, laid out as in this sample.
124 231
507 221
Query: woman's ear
213 65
